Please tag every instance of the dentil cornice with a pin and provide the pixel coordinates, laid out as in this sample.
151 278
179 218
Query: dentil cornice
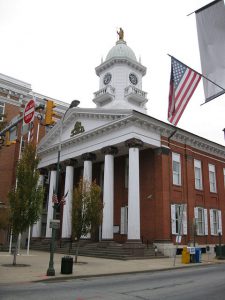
118 60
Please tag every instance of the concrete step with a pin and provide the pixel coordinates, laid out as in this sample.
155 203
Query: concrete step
111 250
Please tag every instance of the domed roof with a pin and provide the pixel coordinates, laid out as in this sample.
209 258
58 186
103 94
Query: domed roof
121 50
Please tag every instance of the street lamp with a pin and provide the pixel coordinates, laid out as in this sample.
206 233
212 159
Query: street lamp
51 270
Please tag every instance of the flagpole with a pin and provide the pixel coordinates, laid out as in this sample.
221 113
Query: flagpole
203 7
198 73
213 97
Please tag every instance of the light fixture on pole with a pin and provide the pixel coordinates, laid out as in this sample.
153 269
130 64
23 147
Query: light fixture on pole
51 270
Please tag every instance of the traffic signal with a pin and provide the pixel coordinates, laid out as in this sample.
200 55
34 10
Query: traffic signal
49 113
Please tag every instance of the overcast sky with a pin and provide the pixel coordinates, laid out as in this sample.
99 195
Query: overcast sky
55 46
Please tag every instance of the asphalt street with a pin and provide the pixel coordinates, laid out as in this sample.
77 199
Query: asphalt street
206 282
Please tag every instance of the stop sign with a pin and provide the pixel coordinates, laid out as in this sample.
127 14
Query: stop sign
29 112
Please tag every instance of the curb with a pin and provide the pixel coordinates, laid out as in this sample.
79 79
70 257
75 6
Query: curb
69 277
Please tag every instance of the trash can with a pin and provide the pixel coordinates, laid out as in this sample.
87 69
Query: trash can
67 265
220 251
185 256
198 255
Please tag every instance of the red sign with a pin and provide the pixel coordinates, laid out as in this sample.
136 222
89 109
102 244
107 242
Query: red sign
29 112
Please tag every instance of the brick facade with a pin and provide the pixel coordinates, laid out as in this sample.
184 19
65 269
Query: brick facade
158 193
14 98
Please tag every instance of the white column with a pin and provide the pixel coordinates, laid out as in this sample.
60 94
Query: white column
50 203
36 231
134 191
108 193
108 198
67 208
87 175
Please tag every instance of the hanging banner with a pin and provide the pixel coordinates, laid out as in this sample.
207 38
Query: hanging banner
210 21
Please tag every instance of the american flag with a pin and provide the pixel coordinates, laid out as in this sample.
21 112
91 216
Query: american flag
54 198
183 82
63 200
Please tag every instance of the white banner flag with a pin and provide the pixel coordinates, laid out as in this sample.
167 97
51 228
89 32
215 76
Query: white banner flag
211 37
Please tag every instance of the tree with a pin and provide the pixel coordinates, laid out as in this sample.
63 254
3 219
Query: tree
26 196
86 211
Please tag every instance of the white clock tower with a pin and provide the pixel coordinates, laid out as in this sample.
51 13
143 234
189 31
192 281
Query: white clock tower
120 79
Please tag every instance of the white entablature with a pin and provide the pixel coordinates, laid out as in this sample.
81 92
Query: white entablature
98 129
103 128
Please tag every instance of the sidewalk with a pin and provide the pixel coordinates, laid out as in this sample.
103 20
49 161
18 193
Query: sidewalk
38 262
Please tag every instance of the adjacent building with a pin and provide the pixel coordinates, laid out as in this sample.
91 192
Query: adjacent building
14 94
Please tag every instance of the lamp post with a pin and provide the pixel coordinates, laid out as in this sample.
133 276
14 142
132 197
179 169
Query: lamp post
51 270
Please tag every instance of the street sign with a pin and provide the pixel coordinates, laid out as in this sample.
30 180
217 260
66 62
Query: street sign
178 239
191 250
55 224
29 112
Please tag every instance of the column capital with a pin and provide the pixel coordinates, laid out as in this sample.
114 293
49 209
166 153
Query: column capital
52 167
109 150
43 171
69 162
134 143
88 156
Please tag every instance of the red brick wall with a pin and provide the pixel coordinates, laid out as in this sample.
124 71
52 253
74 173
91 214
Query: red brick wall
9 157
157 192
186 193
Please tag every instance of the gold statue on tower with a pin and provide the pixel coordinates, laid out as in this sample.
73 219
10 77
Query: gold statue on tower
120 34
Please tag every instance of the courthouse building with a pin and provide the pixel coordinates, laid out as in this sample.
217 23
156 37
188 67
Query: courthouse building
158 181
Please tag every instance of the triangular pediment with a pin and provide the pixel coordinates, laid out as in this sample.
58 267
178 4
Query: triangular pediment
78 122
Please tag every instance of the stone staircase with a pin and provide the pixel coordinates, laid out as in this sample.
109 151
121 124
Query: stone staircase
110 250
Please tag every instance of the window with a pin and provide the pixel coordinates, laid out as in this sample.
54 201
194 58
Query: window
126 172
198 174
201 220
176 168
212 178
2 109
179 219
101 179
224 176
215 221
124 220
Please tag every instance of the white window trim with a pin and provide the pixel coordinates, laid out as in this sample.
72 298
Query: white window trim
176 157
124 220
173 220
3 111
205 220
126 172
212 169
219 224
198 164
224 176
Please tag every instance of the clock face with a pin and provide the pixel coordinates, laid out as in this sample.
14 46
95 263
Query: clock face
107 78
133 78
